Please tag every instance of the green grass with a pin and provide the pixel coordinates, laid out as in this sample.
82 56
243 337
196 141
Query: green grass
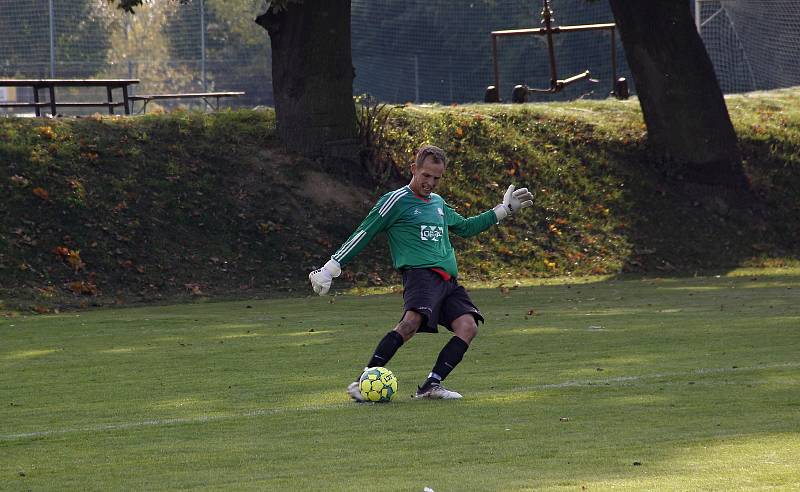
567 386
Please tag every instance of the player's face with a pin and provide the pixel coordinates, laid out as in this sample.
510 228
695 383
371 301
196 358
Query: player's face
426 176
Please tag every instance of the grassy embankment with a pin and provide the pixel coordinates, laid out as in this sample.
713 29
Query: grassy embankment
168 207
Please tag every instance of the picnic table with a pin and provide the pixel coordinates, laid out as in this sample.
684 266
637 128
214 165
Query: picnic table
51 84
205 96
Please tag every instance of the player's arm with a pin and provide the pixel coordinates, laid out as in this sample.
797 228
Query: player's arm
377 220
470 226
513 201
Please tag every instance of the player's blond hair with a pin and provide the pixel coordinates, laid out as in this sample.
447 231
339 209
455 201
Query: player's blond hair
426 150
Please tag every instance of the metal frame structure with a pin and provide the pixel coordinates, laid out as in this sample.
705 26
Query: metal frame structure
619 87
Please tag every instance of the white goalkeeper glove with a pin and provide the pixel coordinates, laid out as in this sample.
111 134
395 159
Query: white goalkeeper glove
321 278
513 201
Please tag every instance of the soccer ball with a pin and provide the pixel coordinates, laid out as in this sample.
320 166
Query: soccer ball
377 384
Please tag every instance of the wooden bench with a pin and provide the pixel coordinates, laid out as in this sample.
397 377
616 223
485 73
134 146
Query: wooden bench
205 96
51 84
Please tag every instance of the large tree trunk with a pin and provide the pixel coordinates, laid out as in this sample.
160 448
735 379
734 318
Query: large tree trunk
684 110
312 76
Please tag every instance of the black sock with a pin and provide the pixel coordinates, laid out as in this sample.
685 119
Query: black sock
386 349
449 357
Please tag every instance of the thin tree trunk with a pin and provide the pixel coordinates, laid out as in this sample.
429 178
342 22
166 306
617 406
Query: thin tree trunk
312 76
687 121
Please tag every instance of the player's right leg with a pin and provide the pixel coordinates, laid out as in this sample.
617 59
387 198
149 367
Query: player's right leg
355 392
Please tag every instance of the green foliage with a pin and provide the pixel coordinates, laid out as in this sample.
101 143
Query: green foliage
129 198
601 205
231 36
372 118
130 5
570 228
185 205
280 5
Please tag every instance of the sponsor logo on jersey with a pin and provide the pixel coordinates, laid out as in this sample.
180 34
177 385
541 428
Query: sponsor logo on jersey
430 232
417 211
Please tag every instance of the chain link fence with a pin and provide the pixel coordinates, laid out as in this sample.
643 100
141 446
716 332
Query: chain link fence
410 51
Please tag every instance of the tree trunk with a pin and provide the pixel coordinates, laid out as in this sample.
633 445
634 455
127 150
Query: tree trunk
687 121
312 77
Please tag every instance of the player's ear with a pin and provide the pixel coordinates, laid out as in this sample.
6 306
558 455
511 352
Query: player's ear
413 168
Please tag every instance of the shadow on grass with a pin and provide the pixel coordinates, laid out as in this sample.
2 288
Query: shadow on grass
679 228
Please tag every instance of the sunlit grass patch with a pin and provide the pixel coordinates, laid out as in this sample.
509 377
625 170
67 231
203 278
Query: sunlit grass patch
235 336
124 350
28 354
310 332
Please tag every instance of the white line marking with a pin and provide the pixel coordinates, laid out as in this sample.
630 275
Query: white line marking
626 379
168 422
347 243
391 201
272 411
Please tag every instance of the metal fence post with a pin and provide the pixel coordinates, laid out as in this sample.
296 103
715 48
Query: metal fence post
52 40
416 79
203 44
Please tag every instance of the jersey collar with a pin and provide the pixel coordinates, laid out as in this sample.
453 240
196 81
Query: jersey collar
423 198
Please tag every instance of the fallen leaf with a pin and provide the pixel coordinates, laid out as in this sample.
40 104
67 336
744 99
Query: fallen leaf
46 132
41 193
81 287
194 289
61 251
74 259
19 180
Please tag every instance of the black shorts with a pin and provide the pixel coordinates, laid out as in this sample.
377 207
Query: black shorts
440 301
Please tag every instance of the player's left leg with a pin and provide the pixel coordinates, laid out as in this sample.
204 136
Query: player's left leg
464 328
461 317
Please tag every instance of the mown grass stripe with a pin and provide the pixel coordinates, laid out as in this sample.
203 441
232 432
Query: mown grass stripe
272 411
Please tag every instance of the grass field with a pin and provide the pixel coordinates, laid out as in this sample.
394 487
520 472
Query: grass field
632 384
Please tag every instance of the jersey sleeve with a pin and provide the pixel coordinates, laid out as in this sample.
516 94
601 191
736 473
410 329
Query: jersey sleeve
466 227
378 219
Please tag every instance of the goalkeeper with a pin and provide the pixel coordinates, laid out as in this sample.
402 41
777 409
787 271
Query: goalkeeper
418 223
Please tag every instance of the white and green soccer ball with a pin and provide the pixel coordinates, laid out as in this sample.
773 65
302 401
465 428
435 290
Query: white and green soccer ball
377 384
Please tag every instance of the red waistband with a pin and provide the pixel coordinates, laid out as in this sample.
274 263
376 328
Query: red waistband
446 276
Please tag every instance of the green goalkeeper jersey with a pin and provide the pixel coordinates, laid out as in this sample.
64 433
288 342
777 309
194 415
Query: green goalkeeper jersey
418 230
